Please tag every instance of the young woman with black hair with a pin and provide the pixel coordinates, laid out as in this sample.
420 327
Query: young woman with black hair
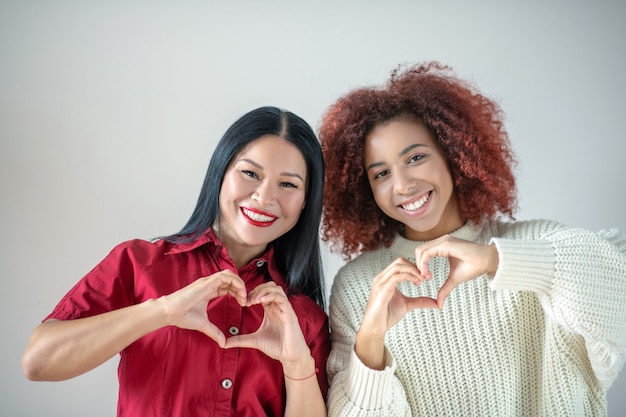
224 318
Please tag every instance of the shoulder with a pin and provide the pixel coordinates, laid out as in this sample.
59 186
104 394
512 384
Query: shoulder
523 229
363 263
555 232
143 247
139 251
357 274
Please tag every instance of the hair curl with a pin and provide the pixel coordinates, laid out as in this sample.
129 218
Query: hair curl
467 126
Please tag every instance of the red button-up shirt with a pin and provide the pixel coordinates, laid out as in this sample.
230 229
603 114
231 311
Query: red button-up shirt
176 372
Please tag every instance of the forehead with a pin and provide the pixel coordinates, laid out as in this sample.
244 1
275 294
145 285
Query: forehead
396 135
271 151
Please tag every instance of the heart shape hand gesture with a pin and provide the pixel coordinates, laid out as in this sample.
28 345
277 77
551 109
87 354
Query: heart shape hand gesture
468 260
187 307
279 336
387 305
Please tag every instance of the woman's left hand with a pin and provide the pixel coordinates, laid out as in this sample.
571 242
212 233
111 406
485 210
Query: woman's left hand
468 260
279 336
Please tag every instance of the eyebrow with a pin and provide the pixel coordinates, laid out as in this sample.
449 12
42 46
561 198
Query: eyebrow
285 173
410 148
402 152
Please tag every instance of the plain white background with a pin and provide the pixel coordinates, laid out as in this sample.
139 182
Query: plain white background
109 112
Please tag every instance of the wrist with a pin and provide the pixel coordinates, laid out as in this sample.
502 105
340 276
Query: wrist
300 370
160 304
370 350
493 260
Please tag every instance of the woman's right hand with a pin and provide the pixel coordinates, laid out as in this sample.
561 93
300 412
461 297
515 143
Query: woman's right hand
187 307
385 308
62 349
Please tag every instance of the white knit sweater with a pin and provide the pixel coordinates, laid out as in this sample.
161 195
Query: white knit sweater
546 336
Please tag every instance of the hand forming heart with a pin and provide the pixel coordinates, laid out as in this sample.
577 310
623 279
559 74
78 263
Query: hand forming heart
279 335
468 260
387 305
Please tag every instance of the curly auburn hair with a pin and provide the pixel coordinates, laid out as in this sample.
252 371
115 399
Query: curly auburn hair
467 126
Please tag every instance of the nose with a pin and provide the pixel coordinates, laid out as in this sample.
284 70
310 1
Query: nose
264 194
403 184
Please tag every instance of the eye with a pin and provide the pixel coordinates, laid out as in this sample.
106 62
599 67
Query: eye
250 174
288 185
381 174
416 157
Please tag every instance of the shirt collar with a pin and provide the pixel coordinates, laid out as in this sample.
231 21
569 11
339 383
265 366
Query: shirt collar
210 238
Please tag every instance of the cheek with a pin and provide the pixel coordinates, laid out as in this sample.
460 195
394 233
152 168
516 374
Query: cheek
234 186
446 181
225 192
440 175
380 192
383 200
293 205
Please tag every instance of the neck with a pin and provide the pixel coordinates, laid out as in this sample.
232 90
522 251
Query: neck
450 221
241 254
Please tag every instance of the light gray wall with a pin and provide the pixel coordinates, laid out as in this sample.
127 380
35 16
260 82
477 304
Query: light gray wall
109 112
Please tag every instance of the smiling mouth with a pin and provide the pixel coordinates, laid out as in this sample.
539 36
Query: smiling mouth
257 218
418 204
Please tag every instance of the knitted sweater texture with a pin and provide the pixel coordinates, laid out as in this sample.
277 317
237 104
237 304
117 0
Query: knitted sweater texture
545 336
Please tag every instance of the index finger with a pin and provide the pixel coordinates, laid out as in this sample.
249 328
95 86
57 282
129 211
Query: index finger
229 283
400 270
445 291
425 252
267 292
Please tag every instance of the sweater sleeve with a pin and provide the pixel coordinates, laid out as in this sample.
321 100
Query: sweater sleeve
580 278
355 389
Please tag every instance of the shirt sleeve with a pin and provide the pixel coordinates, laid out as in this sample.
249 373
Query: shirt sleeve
108 286
355 389
320 348
580 279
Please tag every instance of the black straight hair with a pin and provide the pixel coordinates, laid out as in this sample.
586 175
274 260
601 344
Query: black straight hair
297 252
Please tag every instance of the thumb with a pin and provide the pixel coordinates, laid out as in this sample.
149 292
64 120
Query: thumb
445 291
242 341
214 333
414 303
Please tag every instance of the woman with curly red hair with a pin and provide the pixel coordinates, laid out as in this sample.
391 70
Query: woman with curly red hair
420 195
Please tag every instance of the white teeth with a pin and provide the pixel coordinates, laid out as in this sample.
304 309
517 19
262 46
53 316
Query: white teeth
257 217
417 204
